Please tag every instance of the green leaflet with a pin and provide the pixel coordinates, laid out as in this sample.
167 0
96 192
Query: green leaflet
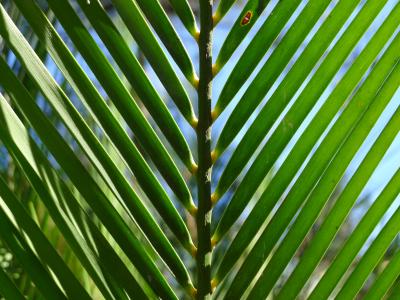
317 164
326 185
292 120
107 256
18 143
121 243
45 250
249 15
52 92
134 20
359 110
137 78
385 280
185 13
122 100
360 234
326 113
46 183
162 25
256 50
95 197
33 65
394 291
371 258
292 81
134 159
67 160
339 211
222 9
20 248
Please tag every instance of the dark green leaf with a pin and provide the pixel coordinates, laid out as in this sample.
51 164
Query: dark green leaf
162 25
8 288
143 173
139 29
122 99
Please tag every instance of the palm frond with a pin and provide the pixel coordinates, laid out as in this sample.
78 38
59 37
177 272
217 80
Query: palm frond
106 184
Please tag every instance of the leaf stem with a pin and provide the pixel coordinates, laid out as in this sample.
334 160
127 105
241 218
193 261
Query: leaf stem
203 216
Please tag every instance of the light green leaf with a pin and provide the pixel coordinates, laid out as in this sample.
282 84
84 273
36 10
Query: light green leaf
329 228
295 77
26 153
310 137
222 9
385 280
360 234
288 126
332 142
371 258
321 193
275 64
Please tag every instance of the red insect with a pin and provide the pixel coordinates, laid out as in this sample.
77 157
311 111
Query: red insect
246 19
